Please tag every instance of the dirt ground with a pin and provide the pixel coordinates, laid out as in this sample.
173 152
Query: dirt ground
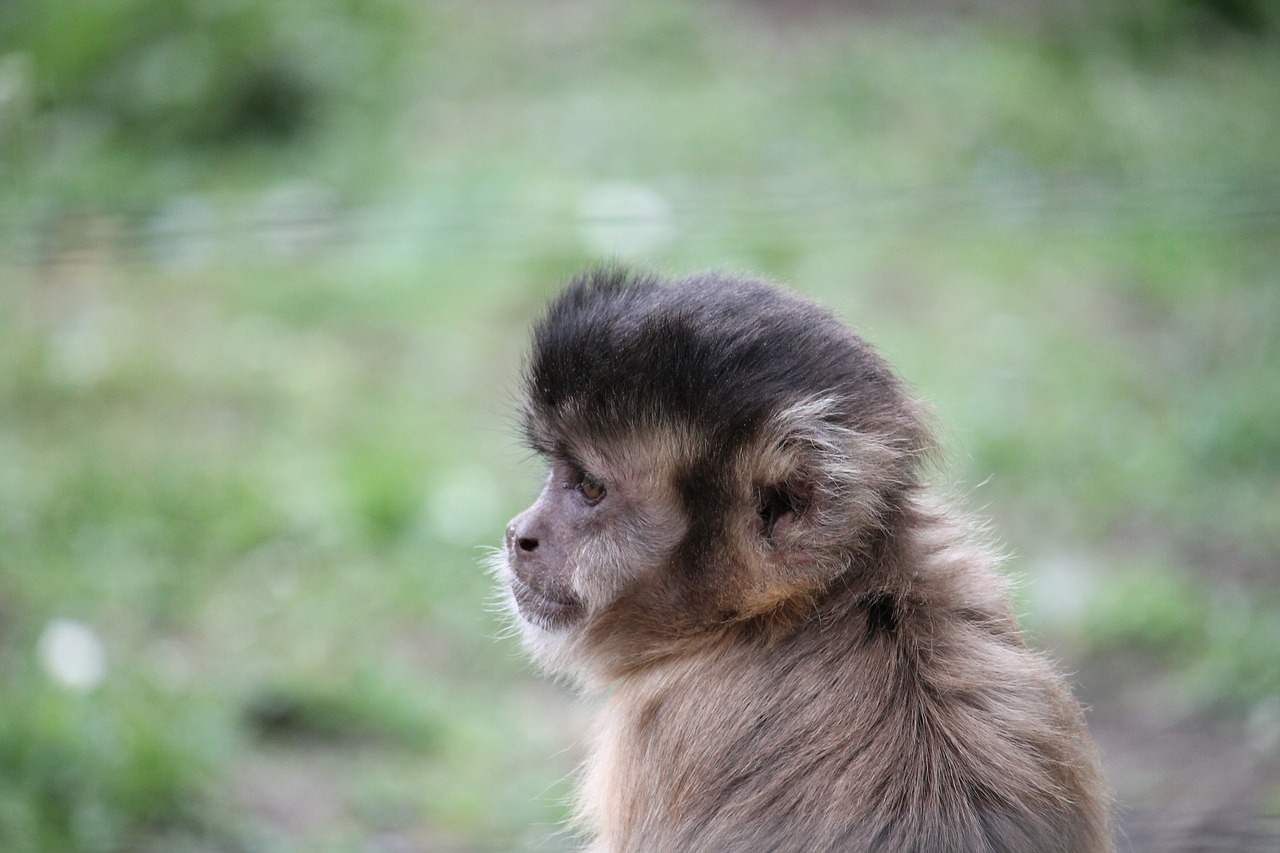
1184 780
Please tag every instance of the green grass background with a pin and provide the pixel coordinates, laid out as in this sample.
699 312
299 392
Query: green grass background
265 275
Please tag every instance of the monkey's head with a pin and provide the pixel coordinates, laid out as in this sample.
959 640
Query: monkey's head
721 454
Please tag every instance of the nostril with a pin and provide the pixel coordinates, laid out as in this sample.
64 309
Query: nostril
527 543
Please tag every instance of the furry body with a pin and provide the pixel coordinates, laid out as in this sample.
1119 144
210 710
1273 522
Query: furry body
804 651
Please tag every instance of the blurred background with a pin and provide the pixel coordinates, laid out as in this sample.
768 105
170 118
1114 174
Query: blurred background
266 270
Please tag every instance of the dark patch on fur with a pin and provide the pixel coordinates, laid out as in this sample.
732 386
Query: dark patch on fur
882 615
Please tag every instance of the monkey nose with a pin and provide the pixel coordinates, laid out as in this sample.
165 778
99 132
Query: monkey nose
527 544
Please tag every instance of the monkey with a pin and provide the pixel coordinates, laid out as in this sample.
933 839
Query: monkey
801 647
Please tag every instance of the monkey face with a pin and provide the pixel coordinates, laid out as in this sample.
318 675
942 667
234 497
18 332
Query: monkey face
601 534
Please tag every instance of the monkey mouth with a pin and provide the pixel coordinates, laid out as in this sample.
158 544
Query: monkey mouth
542 609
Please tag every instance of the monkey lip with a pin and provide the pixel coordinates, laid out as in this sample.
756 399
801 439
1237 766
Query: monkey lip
541 609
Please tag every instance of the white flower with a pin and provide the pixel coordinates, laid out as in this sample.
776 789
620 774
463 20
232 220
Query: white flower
72 655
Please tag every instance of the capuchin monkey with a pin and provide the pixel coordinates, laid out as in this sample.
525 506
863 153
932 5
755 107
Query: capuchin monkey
801 648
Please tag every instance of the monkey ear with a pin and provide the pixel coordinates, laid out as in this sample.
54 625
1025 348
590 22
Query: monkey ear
777 507
822 484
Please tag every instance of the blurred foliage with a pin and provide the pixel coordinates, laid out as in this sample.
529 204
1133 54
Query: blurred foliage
179 91
196 72
101 774
1153 28
264 274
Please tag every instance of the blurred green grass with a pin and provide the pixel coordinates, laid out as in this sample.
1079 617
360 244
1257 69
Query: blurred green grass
266 273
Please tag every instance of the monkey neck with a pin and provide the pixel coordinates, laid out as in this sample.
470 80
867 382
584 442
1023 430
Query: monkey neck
901 595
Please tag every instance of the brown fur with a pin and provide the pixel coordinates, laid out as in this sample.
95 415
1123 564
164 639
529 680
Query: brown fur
908 718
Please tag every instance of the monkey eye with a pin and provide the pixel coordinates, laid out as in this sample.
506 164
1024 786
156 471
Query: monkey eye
592 489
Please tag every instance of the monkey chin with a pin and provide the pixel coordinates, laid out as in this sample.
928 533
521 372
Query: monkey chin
548 613
545 625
